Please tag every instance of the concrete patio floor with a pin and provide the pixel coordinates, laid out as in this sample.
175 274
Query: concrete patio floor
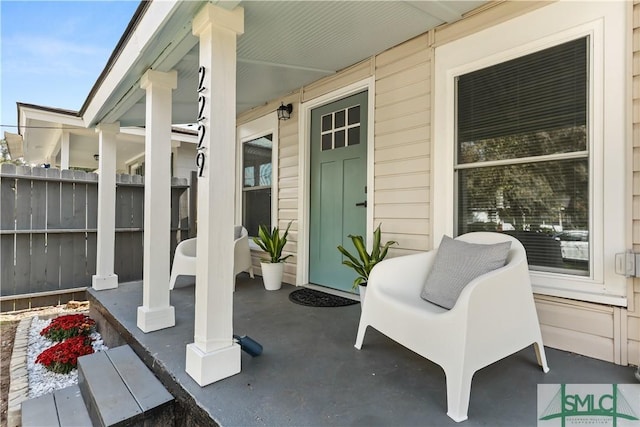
310 374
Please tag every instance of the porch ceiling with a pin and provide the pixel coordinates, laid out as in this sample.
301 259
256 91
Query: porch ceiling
286 45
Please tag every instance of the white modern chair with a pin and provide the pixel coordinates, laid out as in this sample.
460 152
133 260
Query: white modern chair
494 316
184 260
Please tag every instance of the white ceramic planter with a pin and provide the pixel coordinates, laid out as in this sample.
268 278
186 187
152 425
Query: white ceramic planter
272 275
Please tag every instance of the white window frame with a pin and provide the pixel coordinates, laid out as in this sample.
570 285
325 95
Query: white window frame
246 132
605 24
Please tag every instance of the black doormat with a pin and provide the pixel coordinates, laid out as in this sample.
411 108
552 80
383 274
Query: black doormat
313 298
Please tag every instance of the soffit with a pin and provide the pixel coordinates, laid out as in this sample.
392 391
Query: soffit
286 45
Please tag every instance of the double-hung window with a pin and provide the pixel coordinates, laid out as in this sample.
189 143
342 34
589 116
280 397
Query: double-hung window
530 139
522 157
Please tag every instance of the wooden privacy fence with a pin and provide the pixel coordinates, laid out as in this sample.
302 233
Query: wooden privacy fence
48 221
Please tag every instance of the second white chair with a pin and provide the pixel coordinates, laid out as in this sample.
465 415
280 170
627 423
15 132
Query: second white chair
184 260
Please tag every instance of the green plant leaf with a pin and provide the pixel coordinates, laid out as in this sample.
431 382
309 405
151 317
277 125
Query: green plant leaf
272 242
366 261
360 247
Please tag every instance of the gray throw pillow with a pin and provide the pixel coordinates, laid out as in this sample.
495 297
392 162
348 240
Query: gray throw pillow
456 264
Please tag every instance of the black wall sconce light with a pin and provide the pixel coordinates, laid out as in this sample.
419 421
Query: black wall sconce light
284 111
96 157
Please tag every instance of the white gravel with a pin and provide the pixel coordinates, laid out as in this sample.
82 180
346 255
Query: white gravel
41 380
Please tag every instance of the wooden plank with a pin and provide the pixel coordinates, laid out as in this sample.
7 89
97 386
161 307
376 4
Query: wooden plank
44 301
66 261
22 264
53 260
7 269
38 200
137 242
38 270
66 200
92 245
80 277
92 206
53 200
137 207
80 205
80 261
8 205
23 204
122 263
123 207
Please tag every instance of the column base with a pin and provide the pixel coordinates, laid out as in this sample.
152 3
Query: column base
207 368
150 320
101 283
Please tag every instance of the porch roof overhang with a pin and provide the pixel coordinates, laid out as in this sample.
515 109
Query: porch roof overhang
40 129
286 45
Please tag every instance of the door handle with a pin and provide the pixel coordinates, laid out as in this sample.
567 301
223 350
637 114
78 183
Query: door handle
363 204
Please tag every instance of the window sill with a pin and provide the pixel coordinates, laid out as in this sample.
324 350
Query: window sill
600 298
253 246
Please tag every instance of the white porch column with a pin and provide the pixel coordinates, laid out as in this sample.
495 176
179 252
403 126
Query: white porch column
213 355
155 312
105 277
64 150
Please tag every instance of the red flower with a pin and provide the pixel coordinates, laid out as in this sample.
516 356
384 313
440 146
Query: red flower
63 357
70 325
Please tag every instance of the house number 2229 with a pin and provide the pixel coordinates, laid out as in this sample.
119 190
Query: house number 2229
202 129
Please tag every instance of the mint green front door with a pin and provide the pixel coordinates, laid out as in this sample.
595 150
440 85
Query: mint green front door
338 187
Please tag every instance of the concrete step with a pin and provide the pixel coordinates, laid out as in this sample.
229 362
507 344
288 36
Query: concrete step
63 407
115 388
118 389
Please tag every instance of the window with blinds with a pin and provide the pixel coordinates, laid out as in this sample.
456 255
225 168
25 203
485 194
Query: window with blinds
522 158
256 183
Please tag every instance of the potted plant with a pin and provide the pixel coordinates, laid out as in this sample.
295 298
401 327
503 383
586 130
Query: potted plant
365 262
272 243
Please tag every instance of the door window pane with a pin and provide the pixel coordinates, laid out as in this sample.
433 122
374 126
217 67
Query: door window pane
340 115
354 136
339 139
354 115
336 133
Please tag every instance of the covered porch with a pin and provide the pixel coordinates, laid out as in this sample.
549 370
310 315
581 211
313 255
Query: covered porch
311 374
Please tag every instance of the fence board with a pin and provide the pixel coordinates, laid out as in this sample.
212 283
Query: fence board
38 269
92 246
137 207
137 243
79 261
53 199
125 256
38 200
123 207
8 205
80 205
66 261
92 205
66 200
7 284
54 244
23 204
22 262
